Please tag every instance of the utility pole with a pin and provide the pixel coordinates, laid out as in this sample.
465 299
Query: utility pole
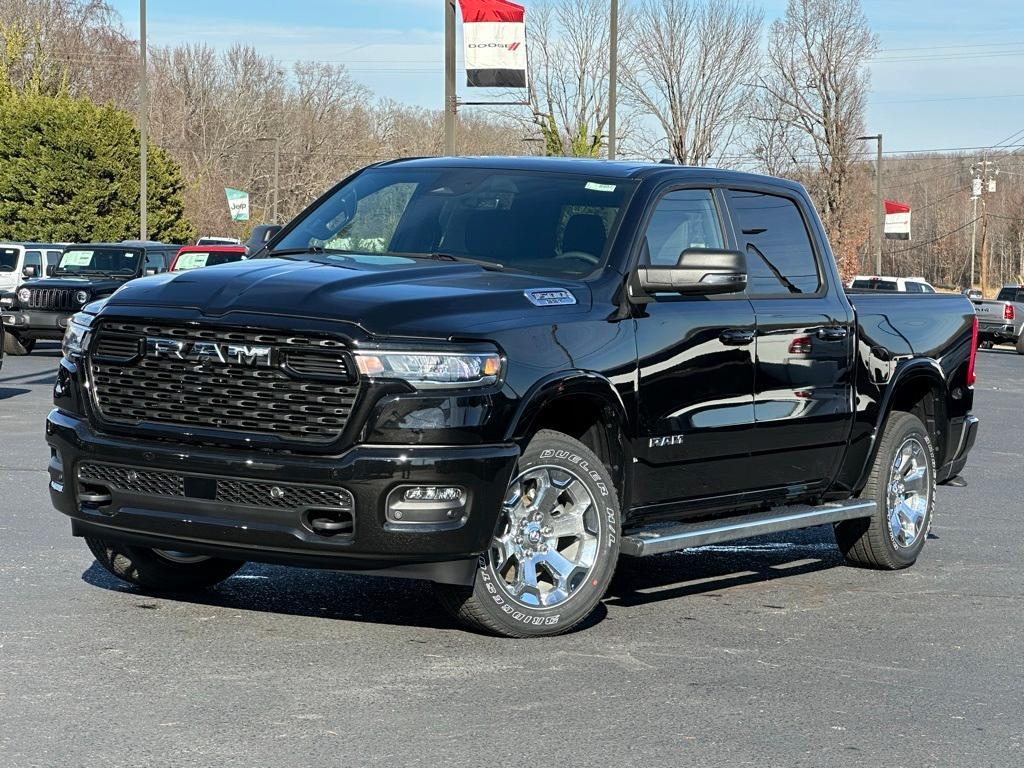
983 184
277 169
879 203
450 98
143 125
613 78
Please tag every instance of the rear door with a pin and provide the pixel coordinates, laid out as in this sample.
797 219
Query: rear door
803 381
696 367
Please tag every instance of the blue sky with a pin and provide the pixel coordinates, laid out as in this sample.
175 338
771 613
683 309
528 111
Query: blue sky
950 74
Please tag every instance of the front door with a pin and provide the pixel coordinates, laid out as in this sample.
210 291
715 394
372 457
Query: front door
803 383
696 369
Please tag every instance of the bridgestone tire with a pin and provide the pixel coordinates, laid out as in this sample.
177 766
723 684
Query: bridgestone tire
868 542
147 569
487 607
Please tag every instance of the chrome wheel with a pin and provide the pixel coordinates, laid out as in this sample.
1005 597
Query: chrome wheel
548 538
184 558
909 493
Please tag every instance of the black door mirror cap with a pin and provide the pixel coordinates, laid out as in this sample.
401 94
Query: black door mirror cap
699 272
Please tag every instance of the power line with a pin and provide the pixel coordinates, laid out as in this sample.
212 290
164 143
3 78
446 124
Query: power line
936 239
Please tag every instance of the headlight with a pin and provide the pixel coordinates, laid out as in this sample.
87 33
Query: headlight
24 295
82 297
76 335
432 370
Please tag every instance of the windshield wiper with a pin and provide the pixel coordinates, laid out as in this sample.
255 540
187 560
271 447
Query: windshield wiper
313 250
491 266
786 282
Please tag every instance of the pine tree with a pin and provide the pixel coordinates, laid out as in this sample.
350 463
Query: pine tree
69 173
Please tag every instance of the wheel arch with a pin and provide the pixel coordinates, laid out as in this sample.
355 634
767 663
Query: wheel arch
585 406
918 387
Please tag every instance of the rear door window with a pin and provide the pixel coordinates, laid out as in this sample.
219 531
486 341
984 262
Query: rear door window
772 232
9 259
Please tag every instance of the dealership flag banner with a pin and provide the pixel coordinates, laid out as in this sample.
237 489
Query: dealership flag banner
494 37
897 221
238 204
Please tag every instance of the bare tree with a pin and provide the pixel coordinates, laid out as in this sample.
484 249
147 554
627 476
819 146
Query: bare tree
691 65
568 46
817 83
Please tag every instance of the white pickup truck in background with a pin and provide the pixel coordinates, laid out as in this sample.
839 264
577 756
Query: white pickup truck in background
1001 320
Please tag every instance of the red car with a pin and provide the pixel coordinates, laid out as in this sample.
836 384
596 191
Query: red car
198 256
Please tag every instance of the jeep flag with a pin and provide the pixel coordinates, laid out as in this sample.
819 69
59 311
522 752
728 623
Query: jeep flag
897 221
238 204
494 37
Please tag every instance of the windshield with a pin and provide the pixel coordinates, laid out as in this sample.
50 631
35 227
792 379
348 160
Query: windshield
8 259
544 223
113 261
187 261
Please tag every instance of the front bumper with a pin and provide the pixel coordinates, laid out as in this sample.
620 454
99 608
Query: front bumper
193 517
37 324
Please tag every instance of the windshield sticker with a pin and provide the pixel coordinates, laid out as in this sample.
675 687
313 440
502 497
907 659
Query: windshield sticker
76 259
593 186
192 261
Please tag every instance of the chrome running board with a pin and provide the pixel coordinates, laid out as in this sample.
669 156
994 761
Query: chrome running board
669 537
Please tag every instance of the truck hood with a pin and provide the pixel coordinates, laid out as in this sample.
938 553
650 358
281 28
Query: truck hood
95 284
399 298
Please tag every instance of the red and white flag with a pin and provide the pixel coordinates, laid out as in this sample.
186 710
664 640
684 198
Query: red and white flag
494 37
897 220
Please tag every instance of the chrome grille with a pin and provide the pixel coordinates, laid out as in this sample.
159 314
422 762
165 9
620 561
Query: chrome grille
234 491
305 399
52 299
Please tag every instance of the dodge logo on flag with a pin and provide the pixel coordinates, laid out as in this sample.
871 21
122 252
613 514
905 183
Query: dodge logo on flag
897 221
494 34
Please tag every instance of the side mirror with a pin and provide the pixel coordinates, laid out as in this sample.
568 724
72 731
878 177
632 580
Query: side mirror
150 271
50 269
700 272
28 272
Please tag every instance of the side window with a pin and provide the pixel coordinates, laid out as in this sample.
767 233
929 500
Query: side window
780 257
914 287
34 259
683 219
155 260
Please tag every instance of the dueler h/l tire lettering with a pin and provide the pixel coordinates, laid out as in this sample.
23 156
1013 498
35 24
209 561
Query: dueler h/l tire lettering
554 549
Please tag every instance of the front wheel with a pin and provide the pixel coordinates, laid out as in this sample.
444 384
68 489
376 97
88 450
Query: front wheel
902 484
554 548
161 570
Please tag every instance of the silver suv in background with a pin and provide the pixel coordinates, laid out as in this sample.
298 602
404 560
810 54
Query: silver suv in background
1001 320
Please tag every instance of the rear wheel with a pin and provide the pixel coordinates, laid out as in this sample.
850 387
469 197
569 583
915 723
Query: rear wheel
554 548
902 484
163 570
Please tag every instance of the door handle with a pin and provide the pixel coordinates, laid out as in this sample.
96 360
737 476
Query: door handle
832 333
736 337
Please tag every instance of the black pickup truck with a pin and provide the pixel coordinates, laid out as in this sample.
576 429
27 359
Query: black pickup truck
86 272
502 374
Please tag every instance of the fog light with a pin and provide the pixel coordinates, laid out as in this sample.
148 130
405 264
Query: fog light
433 493
440 507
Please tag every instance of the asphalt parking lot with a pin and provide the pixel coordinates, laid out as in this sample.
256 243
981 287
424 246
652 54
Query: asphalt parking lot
770 654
